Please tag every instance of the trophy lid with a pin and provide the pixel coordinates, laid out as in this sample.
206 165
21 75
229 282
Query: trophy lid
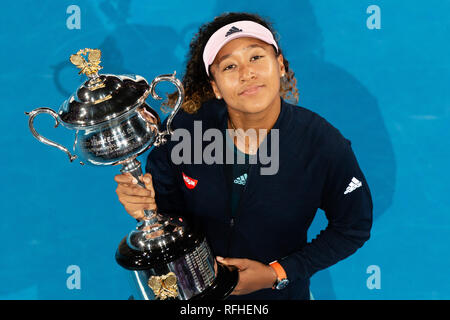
101 98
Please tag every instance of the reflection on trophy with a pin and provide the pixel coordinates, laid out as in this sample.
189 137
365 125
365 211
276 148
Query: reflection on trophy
113 125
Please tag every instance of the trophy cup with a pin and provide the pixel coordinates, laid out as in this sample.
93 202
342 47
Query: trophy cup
113 125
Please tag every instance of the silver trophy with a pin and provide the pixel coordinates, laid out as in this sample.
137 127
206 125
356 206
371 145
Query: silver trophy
113 125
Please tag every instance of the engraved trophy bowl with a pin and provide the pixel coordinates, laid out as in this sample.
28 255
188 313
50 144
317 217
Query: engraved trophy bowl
113 125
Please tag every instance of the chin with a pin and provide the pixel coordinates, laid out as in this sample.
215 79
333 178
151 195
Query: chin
255 104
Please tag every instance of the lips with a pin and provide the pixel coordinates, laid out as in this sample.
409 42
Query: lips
251 90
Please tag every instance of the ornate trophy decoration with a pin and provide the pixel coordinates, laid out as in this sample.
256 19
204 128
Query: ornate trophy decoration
113 125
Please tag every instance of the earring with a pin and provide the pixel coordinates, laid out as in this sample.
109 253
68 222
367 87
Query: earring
219 97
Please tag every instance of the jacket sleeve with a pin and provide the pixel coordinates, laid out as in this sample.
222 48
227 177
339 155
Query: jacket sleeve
168 197
347 203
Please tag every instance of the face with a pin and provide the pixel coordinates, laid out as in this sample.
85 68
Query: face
247 75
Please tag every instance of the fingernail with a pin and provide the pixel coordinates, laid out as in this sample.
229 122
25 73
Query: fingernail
219 258
135 181
147 180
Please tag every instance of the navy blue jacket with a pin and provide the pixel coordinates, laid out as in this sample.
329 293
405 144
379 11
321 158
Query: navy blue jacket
316 169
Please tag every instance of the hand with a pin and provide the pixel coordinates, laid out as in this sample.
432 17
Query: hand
133 197
253 275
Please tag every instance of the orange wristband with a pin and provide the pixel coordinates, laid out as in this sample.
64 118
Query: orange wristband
281 274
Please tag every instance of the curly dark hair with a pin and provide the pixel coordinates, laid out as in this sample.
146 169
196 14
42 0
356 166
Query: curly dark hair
195 80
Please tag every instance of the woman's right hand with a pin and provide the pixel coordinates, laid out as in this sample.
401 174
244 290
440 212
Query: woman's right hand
133 197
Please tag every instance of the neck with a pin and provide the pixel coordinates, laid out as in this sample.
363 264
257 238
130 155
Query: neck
257 121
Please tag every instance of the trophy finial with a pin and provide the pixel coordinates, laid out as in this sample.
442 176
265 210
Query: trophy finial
90 67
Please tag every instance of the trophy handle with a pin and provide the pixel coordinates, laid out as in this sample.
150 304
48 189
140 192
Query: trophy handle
160 139
32 115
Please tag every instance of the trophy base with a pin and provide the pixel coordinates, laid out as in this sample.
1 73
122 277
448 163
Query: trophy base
189 260
225 282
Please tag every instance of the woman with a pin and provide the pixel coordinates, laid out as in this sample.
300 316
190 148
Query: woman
238 78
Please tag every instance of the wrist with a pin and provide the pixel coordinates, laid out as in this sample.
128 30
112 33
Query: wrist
272 277
281 277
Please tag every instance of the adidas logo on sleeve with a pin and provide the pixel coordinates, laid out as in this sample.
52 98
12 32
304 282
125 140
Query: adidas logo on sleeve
354 184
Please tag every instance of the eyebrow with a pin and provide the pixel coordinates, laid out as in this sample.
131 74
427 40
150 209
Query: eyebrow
249 47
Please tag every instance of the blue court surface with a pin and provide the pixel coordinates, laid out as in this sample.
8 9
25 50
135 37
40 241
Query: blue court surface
379 71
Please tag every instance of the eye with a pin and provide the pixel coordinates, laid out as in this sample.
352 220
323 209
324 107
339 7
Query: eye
228 67
256 57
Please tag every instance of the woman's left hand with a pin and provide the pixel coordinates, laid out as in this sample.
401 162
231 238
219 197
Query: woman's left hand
253 275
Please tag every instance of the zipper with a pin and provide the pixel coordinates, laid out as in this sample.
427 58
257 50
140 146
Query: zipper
232 221
242 195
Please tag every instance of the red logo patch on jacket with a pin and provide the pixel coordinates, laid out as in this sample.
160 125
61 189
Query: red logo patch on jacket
189 182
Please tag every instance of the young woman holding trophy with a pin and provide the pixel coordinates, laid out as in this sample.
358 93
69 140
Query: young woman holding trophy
238 79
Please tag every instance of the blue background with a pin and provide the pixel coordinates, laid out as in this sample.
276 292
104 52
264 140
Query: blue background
387 90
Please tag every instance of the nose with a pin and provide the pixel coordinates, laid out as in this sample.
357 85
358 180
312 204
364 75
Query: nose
246 73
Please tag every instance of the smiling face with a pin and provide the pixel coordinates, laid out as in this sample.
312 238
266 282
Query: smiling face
247 75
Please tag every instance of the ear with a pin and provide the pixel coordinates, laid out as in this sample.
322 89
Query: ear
280 60
215 88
